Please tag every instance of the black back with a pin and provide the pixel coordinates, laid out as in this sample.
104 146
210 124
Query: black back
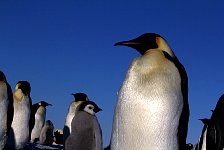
215 133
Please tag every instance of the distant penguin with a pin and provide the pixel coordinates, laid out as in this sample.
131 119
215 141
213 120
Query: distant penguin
152 110
79 98
86 132
47 133
189 146
6 109
58 134
215 130
201 145
19 134
38 114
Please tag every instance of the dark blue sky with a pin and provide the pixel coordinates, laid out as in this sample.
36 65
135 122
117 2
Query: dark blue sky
64 47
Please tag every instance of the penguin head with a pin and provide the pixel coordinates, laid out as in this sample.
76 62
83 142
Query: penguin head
89 107
24 86
189 146
219 109
80 97
49 123
2 76
146 42
205 121
44 104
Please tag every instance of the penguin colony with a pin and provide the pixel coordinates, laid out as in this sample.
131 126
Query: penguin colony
151 113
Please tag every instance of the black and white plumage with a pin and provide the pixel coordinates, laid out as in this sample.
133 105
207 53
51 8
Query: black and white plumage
6 109
78 99
152 109
38 115
58 136
215 129
201 145
86 132
19 133
47 133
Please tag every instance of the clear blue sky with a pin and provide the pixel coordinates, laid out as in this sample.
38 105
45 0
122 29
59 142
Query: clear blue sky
64 47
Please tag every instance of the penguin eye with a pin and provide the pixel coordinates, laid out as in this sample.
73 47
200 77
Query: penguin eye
90 107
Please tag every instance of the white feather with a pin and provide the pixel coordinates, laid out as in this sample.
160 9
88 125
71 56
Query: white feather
149 105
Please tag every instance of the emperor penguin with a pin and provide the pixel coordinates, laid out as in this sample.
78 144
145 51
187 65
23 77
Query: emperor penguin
6 109
201 145
47 133
38 115
152 110
58 136
19 133
86 132
79 98
215 129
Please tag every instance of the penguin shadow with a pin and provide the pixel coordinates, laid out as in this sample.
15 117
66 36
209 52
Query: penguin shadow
11 142
66 133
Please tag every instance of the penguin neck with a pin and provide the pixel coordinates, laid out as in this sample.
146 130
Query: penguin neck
150 60
18 95
41 110
163 45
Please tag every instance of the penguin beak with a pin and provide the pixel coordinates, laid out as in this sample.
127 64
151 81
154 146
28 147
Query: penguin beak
127 43
98 110
135 43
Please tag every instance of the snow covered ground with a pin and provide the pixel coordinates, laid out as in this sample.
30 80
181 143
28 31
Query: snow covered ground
30 146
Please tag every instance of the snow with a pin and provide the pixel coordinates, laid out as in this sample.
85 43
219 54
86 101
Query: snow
31 146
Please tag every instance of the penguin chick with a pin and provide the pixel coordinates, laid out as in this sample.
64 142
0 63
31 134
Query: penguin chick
38 115
46 135
79 98
19 134
152 108
86 132
6 109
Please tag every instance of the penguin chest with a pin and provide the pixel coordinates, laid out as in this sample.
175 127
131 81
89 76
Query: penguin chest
68 121
3 105
40 117
39 123
3 116
3 113
149 106
21 119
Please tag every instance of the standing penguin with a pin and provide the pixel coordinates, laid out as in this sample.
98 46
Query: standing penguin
86 132
58 136
38 114
47 133
19 133
6 109
79 98
152 110
201 145
215 129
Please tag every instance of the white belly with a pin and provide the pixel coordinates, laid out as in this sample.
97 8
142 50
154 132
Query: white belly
148 111
3 122
204 141
3 114
39 123
20 124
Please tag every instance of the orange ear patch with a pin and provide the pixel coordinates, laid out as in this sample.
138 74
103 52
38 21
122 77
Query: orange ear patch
158 40
17 86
